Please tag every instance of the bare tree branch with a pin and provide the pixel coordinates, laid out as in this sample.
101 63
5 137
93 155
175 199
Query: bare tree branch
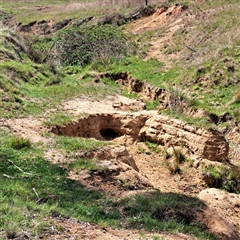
36 193
19 168
7 176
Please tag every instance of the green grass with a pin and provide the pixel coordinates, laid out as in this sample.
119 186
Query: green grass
31 88
85 164
199 122
59 118
150 71
62 195
221 92
222 177
152 105
71 144
152 147
214 66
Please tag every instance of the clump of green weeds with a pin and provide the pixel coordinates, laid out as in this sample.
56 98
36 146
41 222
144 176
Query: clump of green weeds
152 147
222 177
174 160
179 156
20 142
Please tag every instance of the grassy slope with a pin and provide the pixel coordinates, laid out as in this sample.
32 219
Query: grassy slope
209 75
31 88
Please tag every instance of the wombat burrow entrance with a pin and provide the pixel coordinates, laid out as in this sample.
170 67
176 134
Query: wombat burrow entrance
106 126
109 133
100 127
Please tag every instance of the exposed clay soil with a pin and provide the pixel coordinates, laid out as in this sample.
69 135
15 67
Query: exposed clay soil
87 231
172 17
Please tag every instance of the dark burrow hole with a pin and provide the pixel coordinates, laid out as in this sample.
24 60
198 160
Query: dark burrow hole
109 133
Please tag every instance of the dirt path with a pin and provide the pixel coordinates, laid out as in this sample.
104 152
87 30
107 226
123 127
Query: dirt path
170 16
87 231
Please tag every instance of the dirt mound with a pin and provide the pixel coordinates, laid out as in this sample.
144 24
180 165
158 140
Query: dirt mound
158 19
44 27
227 206
117 172
120 19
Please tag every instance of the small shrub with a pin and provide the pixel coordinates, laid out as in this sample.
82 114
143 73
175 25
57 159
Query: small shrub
174 167
172 164
37 49
20 142
179 156
87 44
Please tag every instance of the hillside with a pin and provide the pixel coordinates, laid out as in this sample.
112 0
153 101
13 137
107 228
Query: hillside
120 120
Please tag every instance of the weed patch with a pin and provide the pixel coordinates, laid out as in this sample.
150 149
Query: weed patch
71 144
19 143
222 177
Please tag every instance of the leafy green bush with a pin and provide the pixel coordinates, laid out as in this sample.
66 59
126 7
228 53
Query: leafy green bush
81 46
